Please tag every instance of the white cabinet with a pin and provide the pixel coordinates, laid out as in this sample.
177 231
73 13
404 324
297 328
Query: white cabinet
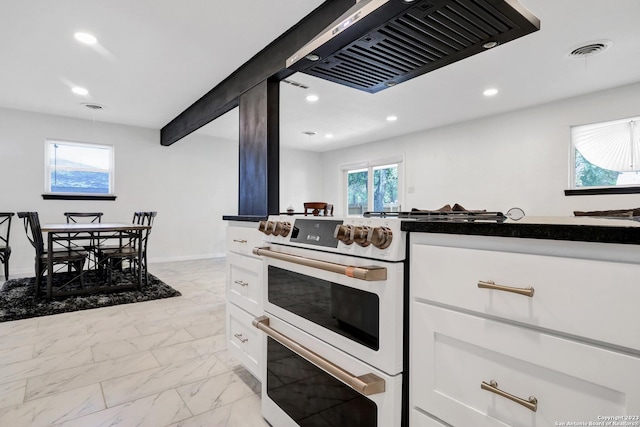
244 295
573 345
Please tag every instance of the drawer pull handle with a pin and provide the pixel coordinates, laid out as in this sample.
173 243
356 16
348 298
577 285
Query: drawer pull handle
239 240
491 285
241 338
492 386
240 282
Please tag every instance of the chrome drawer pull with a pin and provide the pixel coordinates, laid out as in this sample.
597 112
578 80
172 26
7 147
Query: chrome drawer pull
366 384
492 386
369 273
491 285
240 282
239 240
241 338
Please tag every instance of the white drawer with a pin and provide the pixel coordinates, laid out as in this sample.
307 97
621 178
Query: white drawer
418 419
244 282
244 340
453 353
242 240
587 298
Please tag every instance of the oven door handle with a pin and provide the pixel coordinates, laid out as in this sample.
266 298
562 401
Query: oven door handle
370 273
366 384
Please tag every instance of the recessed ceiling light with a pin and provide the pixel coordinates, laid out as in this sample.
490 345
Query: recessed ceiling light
79 90
392 118
312 98
490 45
490 92
328 135
85 38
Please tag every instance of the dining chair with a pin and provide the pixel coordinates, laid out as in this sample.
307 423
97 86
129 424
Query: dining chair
5 249
114 257
85 217
66 256
73 217
315 208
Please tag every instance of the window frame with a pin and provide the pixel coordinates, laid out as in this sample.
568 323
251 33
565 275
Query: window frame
369 166
51 195
573 189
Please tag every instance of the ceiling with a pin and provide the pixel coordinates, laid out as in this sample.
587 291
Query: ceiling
154 58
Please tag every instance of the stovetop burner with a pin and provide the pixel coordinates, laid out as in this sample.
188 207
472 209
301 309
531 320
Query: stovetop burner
442 215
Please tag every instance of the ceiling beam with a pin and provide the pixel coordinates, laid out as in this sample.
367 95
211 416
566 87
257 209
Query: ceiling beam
266 64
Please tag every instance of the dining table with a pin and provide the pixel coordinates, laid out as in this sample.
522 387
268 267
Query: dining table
71 236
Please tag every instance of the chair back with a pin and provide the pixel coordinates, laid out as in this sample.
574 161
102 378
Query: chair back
5 230
315 208
145 218
33 231
73 217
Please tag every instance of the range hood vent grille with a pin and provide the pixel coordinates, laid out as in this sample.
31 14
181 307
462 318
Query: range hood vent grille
420 38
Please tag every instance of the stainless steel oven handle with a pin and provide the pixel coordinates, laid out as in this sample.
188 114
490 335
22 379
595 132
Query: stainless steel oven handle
366 384
370 273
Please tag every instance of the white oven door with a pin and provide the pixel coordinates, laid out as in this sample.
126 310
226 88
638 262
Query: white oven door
352 303
309 383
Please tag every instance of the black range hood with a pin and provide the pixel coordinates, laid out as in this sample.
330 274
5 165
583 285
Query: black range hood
379 43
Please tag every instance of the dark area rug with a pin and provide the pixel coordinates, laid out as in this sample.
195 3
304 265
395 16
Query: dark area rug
17 297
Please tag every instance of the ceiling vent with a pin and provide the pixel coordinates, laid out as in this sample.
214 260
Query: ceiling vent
93 106
379 43
590 49
294 83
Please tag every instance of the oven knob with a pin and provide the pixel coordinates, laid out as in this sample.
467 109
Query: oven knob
343 234
380 237
359 235
281 228
266 227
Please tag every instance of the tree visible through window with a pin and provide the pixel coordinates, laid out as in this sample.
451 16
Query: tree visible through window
374 188
78 168
606 154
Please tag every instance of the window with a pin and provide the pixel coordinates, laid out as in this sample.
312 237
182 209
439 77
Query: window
606 154
78 168
373 187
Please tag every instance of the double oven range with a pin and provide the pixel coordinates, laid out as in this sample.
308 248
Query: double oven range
333 301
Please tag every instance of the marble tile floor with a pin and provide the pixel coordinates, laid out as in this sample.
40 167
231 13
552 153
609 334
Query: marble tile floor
151 364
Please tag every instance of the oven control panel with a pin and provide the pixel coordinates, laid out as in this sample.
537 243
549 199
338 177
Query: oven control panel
378 238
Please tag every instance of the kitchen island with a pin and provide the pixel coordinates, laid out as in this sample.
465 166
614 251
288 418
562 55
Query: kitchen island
524 324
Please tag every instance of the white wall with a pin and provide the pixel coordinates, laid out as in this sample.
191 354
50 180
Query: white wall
301 177
191 184
516 159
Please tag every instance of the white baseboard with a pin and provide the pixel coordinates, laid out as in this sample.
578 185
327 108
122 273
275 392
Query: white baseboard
187 258
17 273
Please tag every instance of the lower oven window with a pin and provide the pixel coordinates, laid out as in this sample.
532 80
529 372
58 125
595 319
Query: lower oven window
312 397
347 311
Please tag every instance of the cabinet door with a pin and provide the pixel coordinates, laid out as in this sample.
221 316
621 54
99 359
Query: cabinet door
582 297
453 353
244 282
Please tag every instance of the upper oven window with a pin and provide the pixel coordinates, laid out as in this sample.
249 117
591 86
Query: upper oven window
350 312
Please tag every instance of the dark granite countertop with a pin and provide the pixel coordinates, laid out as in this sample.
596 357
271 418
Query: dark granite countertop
550 228
249 218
